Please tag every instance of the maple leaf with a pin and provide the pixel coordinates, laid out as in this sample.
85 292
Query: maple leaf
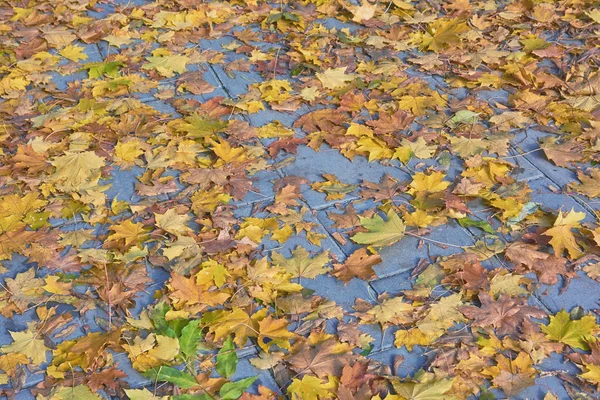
592 373
358 265
274 332
512 375
310 388
431 183
324 358
166 63
130 231
505 314
562 235
380 233
186 291
334 78
28 343
301 265
365 11
590 184
575 333
441 316
76 171
73 53
443 33
429 389
546 266
172 222
334 188
237 322
392 311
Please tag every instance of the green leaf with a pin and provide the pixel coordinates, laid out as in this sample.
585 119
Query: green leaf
467 222
381 233
430 390
575 333
463 117
96 70
227 359
234 390
188 396
190 338
172 375
157 315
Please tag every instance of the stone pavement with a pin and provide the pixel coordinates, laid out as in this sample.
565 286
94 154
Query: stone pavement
394 272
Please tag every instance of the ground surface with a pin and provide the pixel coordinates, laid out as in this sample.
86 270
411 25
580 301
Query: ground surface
343 200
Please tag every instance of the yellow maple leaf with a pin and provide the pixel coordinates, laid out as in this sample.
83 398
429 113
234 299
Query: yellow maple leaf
300 265
172 222
562 235
334 78
128 151
592 374
166 63
311 388
226 153
375 148
275 332
128 230
431 183
28 343
363 12
54 286
76 170
441 34
411 338
394 311
73 53
418 218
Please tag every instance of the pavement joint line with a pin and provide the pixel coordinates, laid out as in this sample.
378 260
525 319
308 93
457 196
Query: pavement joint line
582 203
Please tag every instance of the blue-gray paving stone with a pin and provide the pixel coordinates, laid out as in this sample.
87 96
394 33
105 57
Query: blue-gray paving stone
529 143
393 284
103 48
17 323
494 96
557 362
333 23
133 378
17 264
582 291
262 188
327 242
343 295
101 11
542 193
413 360
264 117
123 181
452 171
312 165
163 107
145 298
383 339
62 81
236 82
24 395
547 384
245 369
405 254
526 170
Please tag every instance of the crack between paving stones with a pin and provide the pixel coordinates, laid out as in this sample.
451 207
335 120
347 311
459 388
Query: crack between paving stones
582 203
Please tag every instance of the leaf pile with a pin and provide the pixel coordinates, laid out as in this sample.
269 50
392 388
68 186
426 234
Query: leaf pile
162 237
